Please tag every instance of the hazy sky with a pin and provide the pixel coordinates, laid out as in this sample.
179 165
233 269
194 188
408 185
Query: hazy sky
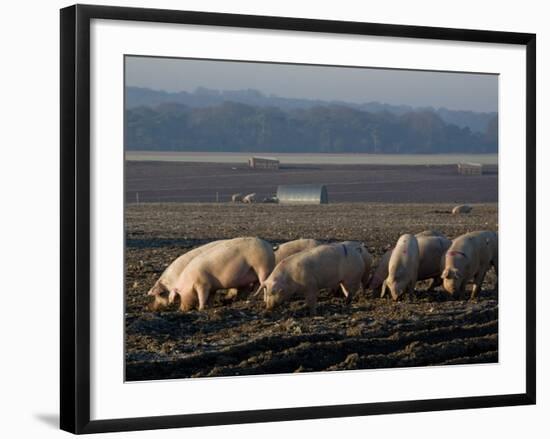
456 91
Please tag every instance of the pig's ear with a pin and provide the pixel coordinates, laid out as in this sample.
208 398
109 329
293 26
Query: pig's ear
173 295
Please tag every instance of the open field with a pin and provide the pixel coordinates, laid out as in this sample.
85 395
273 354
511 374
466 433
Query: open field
237 337
313 159
210 182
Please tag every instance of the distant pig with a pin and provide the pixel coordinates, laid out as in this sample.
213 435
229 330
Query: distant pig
291 247
237 198
250 198
402 267
463 208
469 257
234 263
323 267
167 280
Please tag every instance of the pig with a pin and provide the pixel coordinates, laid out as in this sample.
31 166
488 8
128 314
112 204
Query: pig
235 263
168 278
367 258
431 248
463 208
469 257
291 247
323 267
250 198
237 198
402 267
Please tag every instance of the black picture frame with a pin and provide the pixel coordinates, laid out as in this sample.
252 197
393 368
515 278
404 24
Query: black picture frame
75 217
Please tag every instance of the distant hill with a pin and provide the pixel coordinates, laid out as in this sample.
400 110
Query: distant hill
231 126
204 97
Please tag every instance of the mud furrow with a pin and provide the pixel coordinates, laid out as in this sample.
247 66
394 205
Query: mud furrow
321 356
460 351
311 352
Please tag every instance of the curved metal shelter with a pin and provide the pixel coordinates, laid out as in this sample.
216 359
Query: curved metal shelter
302 194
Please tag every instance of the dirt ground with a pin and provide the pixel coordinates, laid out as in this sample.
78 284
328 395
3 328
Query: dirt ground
237 336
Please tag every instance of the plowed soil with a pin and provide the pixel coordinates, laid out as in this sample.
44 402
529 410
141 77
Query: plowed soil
237 337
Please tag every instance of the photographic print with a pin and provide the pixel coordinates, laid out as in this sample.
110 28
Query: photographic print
301 217
293 218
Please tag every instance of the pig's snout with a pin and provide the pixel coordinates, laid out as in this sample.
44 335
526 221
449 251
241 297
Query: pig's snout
451 286
271 301
269 304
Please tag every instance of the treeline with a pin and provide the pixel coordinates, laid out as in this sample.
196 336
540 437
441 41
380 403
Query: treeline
206 97
237 127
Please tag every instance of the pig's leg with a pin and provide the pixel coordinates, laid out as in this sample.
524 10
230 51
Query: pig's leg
478 280
347 293
383 289
211 297
410 290
311 301
188 300
203 294
262 274
350 290
254 283
358 289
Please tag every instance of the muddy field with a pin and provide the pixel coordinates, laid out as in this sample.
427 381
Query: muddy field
237 337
